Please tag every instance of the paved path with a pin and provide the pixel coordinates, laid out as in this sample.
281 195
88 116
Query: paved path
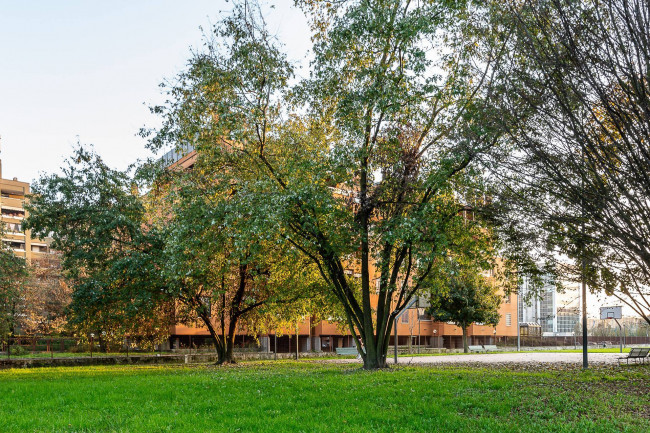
507 358
515 358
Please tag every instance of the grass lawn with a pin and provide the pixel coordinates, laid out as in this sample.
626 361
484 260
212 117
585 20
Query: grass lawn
313 396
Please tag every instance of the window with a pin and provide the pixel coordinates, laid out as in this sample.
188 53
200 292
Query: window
405 317
508 319
14 227
14 245
508 298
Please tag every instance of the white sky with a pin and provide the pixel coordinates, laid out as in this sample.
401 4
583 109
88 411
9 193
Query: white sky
81 70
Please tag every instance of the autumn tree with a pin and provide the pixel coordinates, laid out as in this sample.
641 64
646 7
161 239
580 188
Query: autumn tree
360 163
44 299
109 257
575 112
225 265
13 272
185 250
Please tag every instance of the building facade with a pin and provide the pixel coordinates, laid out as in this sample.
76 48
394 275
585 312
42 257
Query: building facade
13 196
547 309
414 327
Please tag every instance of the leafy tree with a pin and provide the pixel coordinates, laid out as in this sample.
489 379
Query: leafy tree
44 299
365 173
224 263
463 296
575 110
183 251
464 284
13 271
110 259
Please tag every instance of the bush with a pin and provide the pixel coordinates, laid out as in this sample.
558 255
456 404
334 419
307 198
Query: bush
18 351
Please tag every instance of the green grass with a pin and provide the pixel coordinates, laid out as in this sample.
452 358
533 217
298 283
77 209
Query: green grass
318 397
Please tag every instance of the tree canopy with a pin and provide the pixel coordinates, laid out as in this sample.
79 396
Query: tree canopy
362 165
13 272
575 112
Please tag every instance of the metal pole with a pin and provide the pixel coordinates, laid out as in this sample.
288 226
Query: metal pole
275 345
518 327
620 335
585 341
395 342
419 331
297 341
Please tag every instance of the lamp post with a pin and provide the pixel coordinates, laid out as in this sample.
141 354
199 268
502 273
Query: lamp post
435 332
92 338
419 330
518 327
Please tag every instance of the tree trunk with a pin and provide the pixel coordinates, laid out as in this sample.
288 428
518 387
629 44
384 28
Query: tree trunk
375 362
465 346
225 352
219 343
230 342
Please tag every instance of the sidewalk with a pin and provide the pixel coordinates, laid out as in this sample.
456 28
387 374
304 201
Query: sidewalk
505 358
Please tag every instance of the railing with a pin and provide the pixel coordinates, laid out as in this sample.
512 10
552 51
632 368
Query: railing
12 202
26 347
176 154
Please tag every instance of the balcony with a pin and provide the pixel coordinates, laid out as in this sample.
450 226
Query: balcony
176 154
39 250
14 236
12 212
12 202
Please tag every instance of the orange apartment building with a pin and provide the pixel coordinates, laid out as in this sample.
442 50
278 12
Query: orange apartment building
13 194
413 327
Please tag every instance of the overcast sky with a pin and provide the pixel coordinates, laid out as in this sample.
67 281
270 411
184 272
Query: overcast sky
87 70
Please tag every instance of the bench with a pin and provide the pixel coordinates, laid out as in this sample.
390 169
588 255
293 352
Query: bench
475 348
490 347
346 351
635 354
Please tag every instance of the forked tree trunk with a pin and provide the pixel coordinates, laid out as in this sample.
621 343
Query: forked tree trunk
230 343
222 343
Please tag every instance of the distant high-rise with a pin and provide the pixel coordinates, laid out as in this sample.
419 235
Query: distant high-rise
542 307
